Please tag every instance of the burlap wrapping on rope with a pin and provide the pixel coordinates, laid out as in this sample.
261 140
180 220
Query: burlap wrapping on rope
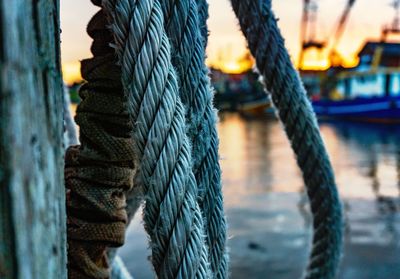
100 171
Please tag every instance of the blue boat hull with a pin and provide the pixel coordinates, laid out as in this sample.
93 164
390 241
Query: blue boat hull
376 109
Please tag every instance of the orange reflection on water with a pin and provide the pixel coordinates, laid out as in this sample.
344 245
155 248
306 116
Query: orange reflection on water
257 158
232 152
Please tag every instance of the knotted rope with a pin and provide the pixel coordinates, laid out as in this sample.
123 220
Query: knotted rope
259 26
182 27
172 216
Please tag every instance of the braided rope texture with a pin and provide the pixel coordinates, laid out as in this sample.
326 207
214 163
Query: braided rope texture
172 215
183 30
101 170
202 6
259 26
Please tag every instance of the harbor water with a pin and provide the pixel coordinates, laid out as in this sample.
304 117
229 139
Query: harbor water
268 212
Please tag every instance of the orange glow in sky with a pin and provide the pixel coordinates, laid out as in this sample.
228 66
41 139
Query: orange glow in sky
226 43
71 72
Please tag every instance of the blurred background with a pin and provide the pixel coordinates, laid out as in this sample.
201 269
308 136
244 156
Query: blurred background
348 55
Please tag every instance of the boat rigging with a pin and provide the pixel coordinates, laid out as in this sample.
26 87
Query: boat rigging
371 90
394 27
334 57
308 32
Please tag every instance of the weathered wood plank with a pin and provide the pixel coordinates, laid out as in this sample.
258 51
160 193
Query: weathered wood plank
32 207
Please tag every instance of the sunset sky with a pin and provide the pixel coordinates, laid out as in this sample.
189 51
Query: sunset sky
226 44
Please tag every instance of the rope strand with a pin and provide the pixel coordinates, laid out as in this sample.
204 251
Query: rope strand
182 26
202 7
172 216
259 26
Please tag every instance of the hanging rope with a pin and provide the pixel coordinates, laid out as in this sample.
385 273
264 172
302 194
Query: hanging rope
202 7
172 216
259 26
182 26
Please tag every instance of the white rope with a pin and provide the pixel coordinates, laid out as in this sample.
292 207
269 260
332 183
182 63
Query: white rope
172 216
70 134
183 29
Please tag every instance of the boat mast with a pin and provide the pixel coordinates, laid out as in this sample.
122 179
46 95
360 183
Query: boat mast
308 30
334 57
394 27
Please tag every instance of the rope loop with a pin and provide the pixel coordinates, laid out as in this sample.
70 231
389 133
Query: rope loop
260 28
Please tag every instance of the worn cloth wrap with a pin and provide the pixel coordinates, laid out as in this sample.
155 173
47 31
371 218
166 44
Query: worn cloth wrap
100 171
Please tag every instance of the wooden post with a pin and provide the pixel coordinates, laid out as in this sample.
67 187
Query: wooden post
32 206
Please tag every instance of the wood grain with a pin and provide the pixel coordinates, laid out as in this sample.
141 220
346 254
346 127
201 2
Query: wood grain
32 199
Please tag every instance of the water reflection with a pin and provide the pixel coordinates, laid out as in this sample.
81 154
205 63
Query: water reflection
256 157
254 153
370 152
265 196
268 211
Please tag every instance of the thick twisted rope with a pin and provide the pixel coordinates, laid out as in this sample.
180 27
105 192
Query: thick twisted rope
202 6
172 216
183 30
259 26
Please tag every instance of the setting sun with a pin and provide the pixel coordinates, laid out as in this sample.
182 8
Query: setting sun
232 65
71 72
226 44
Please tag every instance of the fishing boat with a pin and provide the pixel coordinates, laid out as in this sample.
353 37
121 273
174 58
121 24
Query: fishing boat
374 109
370 91
239 92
